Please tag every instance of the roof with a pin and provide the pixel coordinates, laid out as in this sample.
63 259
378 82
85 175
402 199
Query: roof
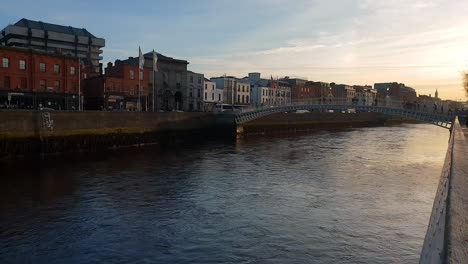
53 27
149 55
134 61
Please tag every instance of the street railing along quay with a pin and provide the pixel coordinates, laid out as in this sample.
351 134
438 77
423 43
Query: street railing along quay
446 239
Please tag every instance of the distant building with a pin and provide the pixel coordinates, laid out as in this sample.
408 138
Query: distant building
312 91
118 88
30 79
52 38
195 88
395 91
242 96
365 95
294 81
269 92
235 91
343 92
212 95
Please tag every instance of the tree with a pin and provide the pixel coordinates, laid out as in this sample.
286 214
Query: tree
465 83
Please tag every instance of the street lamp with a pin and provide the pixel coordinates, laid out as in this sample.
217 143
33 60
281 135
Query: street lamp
387 98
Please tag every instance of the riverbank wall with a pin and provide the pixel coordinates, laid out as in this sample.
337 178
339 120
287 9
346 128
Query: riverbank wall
30 133
295 122
24 133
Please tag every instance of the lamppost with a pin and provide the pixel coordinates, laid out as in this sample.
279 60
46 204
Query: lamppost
387 98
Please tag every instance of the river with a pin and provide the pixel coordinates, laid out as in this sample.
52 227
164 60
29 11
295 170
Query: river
353 196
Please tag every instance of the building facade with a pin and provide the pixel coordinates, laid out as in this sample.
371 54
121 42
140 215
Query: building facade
395 92
118 88
242 93
30 79
235 91
212 95
365 95
268 91
57 39
195 90
315 91
343 92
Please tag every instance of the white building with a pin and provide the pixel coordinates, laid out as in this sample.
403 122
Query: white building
212 95
242 95
235 91
365 95
269 92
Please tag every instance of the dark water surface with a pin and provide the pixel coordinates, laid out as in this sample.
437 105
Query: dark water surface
356 196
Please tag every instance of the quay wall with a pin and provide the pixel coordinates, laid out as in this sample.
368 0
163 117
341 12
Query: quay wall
24 133
290 122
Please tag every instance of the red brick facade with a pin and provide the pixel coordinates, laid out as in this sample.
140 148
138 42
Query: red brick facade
309 90
58 76
118 88
27 73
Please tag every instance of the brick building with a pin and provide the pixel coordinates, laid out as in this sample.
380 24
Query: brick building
30 79
311 90
52 38
343 92
117 89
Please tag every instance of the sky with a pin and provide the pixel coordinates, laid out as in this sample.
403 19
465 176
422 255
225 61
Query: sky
423 44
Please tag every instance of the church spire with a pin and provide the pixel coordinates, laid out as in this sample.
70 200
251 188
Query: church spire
437 94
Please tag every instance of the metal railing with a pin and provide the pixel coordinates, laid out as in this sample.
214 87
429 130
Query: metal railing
423 112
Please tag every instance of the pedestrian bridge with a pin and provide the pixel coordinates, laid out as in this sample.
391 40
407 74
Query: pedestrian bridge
422 113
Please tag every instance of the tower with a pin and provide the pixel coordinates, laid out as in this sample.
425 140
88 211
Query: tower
436 94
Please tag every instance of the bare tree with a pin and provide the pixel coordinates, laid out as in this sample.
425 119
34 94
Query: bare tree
465 83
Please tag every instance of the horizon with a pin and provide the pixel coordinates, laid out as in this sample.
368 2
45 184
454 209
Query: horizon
355 42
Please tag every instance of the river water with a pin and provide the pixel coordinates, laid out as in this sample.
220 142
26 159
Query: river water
354 196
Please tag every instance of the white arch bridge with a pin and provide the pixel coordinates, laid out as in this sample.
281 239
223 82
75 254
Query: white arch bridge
424 113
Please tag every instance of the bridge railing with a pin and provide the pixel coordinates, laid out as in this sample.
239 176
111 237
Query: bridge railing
387 102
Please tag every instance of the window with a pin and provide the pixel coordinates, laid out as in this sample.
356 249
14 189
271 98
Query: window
42 84
191 79
238 88
243 88
191 92
212 87
247 99
199 79
243 99
212 97
206 96
56 68
199 93
132 75
72 70
238 98
22 65
85 75
42 67
57 84
206 86
6 81
141 76
219 97
6 62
